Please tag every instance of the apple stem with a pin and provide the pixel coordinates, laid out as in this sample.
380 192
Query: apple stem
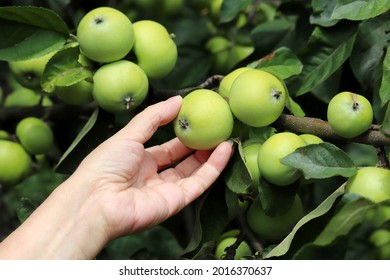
355 103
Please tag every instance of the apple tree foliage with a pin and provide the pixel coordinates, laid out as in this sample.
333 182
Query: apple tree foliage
319 48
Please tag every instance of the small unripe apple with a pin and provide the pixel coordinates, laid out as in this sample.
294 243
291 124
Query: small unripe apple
275 227
35 135
28 72
370 182
15 163
4 135
120 86
380 238
154 48
227 81
272 151
226 240
349 114
257 98
25 97
204 120
105 35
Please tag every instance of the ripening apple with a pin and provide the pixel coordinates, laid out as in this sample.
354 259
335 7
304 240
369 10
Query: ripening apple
349 114
28 72
257 98
35 135
120 86
370 182
227 81
272 151
105 35
275 227
15 163
79 93
154 48
204 120
251 149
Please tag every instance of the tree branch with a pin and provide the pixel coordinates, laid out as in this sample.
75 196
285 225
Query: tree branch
322 129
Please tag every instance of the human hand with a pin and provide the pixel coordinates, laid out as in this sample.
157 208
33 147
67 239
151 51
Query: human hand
135 187
118 189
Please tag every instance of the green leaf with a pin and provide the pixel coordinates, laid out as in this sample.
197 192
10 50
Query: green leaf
270 35
294 107
368 50
236 175
359 10
98 128
350 215
325 53
385 126
231 8
282 63
64 69
283 247
322 12
384 91
321 161
29 32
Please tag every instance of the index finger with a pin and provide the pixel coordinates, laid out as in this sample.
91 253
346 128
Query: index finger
143 125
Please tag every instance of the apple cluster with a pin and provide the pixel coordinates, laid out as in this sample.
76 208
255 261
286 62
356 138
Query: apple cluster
33 137
108 37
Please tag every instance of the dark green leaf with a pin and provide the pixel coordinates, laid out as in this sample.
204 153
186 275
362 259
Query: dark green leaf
237 176
350 215
367 53
29 32
26 207
276 200
99 127
359 10
384 91
231 8
282 63
385 126
321 161
64 69
322 12
324 54
270 35
283 247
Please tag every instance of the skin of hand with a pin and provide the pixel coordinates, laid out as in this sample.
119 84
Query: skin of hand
120 188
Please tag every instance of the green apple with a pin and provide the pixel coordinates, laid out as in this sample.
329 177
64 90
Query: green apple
380 238
251 149
349 114
25 97
28 72
274 228
120 86
310 138
272 151
15 163
35 135
226 54
79 93
204 120
154 48
105 35
370 182
257 98
227 81
4 135
226 240
378 215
